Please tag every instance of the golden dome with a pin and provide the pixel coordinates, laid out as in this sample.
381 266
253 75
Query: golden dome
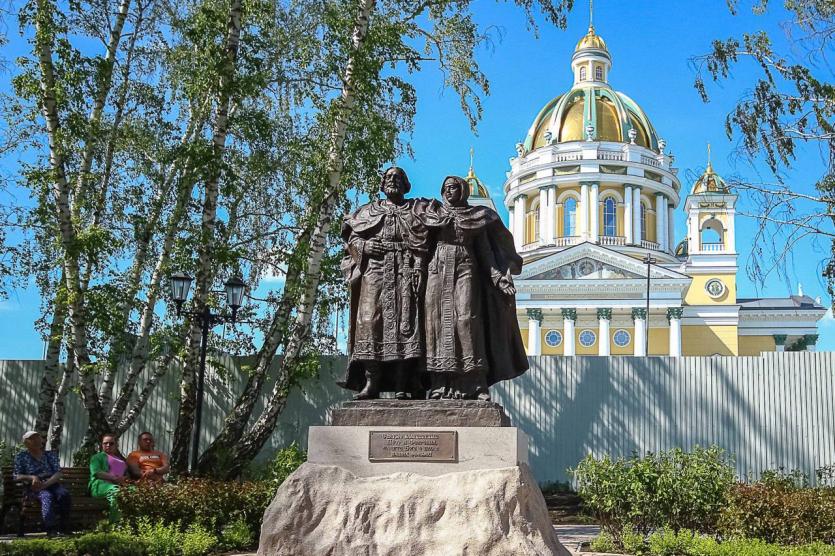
591 40
612 115
710 182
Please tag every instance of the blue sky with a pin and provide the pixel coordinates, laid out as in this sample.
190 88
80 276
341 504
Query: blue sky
651 43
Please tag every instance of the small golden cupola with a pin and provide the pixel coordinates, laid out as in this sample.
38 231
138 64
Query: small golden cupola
591 61
479 194
710 182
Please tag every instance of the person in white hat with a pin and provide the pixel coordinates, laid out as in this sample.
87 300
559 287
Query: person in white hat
41 472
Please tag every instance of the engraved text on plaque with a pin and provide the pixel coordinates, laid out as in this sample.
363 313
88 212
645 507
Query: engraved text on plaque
436 446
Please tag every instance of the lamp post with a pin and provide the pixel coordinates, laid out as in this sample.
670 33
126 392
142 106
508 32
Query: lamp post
649 260
234 289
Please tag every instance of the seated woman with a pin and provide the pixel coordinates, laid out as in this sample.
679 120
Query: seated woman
107 473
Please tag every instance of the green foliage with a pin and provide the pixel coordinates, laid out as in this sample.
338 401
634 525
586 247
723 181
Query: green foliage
236 535
673 489
8 453
198 541
780 511
284 463
161 539
604 542
98 544
209 504
686 543
789 102
786 480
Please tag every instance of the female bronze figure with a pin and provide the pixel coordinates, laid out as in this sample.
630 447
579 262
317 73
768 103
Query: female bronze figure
471 333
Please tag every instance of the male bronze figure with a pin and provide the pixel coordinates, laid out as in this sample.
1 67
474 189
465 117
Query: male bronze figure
386 242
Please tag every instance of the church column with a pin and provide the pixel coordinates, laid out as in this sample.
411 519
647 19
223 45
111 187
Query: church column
671 227
594 208
552 214
674 316
583 211
543 215
640 318
603 340
568 318
519 221
627 214
780 342
660 233
636 215
511 211
534 334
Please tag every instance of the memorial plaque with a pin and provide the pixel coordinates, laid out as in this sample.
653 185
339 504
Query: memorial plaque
437 446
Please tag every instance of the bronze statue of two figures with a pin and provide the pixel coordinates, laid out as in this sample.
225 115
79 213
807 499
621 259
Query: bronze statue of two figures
433 307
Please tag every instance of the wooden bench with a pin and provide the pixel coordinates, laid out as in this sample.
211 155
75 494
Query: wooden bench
24 513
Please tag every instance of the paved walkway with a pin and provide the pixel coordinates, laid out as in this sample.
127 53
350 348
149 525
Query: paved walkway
572 536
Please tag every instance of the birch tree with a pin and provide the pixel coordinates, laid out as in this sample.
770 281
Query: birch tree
376 36
790 106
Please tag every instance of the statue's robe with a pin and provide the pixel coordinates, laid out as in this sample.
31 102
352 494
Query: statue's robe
386 315
470 325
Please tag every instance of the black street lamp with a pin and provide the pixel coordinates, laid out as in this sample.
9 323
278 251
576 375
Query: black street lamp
235 289
649 260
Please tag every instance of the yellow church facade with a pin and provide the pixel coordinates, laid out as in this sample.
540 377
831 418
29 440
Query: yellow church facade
592 196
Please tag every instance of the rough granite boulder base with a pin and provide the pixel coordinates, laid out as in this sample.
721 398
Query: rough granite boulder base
420 413
324 510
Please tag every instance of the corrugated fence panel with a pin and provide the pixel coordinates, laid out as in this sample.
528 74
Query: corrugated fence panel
770 411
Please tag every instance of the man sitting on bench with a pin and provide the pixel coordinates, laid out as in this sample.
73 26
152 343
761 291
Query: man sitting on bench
42 471
146 463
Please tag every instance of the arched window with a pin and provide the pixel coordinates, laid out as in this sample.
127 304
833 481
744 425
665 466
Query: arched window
643 222
583 73
712 235
609 217
569 222
598 73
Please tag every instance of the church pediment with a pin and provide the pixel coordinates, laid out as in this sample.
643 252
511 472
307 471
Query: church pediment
588 261
586 268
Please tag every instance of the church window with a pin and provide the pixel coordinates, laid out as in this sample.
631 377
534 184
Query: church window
609 218
598 73
583 73
587 338
553 338
643 222
570 218
622 338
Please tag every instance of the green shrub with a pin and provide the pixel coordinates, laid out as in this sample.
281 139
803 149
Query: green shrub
210 504
633 543
780 513
8 452
780 478
236 535
280 467
197 541
685 543
603 543
161 539
109 544
98 544
674 490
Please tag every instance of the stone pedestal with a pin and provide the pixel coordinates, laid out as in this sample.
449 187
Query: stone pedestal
412 477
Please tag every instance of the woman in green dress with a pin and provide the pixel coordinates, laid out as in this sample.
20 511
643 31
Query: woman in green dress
107 473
